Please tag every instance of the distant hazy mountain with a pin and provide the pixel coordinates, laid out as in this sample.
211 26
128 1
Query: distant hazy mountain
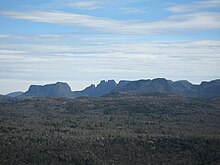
7 99
207 89
104 87
59 89
158 85
15 94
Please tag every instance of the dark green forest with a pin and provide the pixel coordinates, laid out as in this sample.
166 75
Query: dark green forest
115 129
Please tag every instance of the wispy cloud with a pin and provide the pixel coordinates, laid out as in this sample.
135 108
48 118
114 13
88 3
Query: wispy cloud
87 5
196 6
66 38
192 21
133 55
132 10
196 49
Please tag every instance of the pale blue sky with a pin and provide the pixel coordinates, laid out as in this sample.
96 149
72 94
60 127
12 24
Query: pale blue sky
83 42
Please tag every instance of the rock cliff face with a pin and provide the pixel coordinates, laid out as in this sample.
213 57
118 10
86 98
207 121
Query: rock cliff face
59 89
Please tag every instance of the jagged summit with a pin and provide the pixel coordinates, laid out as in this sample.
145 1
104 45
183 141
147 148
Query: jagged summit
104 87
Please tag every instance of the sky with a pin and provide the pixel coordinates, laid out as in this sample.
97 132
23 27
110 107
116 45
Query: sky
83 42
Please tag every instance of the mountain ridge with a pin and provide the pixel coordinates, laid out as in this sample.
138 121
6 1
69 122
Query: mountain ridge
157 85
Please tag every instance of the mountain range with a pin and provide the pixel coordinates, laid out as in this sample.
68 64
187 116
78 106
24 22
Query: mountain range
158 85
